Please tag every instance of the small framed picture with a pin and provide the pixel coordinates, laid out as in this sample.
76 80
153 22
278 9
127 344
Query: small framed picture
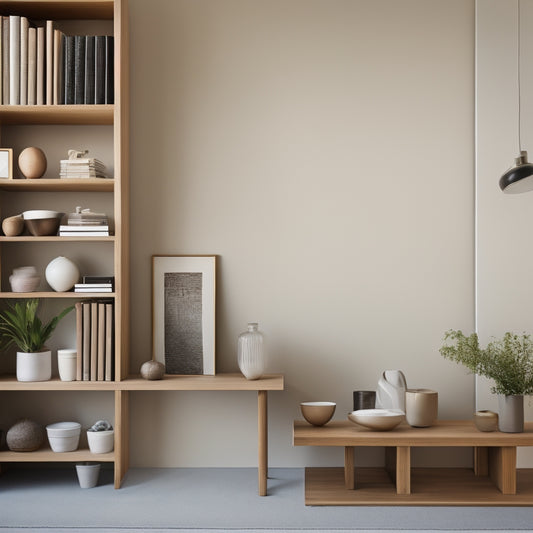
183 313
6 163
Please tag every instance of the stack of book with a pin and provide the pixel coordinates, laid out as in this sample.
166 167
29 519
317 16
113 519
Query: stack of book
95 284
96 230
41 65
94 340
82 168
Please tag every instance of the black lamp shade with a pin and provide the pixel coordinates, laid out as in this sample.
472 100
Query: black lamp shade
519 178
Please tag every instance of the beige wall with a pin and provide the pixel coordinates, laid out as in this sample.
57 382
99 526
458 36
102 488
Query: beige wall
324 150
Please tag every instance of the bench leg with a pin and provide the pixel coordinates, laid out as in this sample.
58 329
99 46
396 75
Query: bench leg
349 468
481 461
502 468
398 465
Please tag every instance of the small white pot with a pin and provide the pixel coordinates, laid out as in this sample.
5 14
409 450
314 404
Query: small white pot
101 441
88 474
34 366
66 364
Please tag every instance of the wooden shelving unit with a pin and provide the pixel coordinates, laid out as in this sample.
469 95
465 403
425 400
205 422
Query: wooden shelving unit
112 13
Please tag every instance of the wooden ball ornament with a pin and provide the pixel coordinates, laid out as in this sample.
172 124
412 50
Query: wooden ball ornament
32 162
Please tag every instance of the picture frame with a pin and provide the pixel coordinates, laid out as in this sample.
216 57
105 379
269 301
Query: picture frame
6 163
183 313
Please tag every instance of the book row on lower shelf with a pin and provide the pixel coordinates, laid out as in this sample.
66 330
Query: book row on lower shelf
95 340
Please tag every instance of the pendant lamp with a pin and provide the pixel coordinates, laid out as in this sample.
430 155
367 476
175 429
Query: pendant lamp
518 178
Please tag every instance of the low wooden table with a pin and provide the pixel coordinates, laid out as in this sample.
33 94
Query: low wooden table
494 480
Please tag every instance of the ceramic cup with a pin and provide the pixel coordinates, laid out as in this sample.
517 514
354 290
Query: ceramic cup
364 399
421 407
66 364
486 420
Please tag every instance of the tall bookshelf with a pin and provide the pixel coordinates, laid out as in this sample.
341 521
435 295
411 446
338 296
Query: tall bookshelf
23 121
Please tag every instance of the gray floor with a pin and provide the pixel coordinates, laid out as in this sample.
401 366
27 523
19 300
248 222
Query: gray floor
215 499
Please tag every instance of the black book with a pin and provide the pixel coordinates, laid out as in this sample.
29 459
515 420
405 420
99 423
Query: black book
69 69
110 70
99 73
79 69
89 69
99 279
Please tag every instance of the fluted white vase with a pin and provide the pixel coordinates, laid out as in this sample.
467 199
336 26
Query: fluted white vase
251 352
390 392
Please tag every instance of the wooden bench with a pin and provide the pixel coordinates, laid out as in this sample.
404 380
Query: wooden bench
494 480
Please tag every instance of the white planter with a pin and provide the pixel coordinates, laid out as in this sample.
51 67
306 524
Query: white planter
66 364
34 366
88 474
101 441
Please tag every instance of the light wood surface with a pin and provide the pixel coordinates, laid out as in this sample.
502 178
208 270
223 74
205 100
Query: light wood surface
502 468
45 455
86 115
262 439
55 238
58 185
76 295
443 433
429 486
349 467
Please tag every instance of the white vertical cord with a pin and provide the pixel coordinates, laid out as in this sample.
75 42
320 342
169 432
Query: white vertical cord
519 84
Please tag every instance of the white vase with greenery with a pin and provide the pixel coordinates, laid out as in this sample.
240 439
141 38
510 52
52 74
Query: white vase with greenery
508 362
21 327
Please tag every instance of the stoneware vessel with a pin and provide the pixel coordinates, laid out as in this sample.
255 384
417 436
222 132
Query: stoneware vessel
24 279
101 441
13 226
511 409
152 370
364 399
62 274
377 419
64 436
88 474
421 407
486 420
318 413
390 393
66 364
32 162
34 366
25 436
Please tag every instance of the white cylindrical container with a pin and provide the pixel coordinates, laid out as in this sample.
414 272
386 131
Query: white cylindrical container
88 474
101 441
66 364
34 366
251 352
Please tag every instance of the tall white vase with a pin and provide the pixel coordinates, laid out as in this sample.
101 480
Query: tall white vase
251 352
390 392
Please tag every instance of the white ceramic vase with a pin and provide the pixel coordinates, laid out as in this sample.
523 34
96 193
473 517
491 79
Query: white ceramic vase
62 274
251 352
66 364
390 392
34 366
101 441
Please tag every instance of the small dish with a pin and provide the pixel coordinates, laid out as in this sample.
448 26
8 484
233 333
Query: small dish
377 419
318 413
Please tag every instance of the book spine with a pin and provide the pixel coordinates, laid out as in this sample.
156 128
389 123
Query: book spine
86 306
57 82
99 72
40 71
5 60
49 62
14 59
1 56
89 69
109 341
79 69
24 27
32 66
110 70
79 341
94 341
101 341
69 69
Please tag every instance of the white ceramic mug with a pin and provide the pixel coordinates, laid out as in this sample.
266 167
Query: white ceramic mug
421 407
66 364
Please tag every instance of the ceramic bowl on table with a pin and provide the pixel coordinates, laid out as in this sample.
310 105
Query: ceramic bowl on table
64 436
377 419
42 222
318 413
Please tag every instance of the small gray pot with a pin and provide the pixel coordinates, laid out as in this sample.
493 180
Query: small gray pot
511 411
88 474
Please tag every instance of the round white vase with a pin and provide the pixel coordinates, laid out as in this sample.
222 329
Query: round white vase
34 366
62 274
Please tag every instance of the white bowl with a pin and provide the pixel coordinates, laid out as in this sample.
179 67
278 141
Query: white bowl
36 214
378 419
64 436
101 441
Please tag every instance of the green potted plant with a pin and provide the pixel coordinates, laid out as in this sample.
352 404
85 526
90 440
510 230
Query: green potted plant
21 327
508 362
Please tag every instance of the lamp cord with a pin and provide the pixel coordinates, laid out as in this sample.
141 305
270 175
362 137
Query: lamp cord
519 85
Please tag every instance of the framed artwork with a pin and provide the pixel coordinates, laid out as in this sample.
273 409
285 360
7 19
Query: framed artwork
6 163
183 313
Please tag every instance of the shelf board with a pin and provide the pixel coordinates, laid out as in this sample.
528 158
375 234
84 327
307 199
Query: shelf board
50 294
57 114
56 238
58 185
10 383
60 9
46 455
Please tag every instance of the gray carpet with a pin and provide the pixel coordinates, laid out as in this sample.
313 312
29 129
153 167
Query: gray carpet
216 499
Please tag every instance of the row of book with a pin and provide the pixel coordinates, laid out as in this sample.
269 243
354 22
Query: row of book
82 168
95 340
41 65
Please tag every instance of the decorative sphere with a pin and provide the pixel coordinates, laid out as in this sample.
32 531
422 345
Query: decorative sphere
62 274
32 162
152 370
13 226
25 436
